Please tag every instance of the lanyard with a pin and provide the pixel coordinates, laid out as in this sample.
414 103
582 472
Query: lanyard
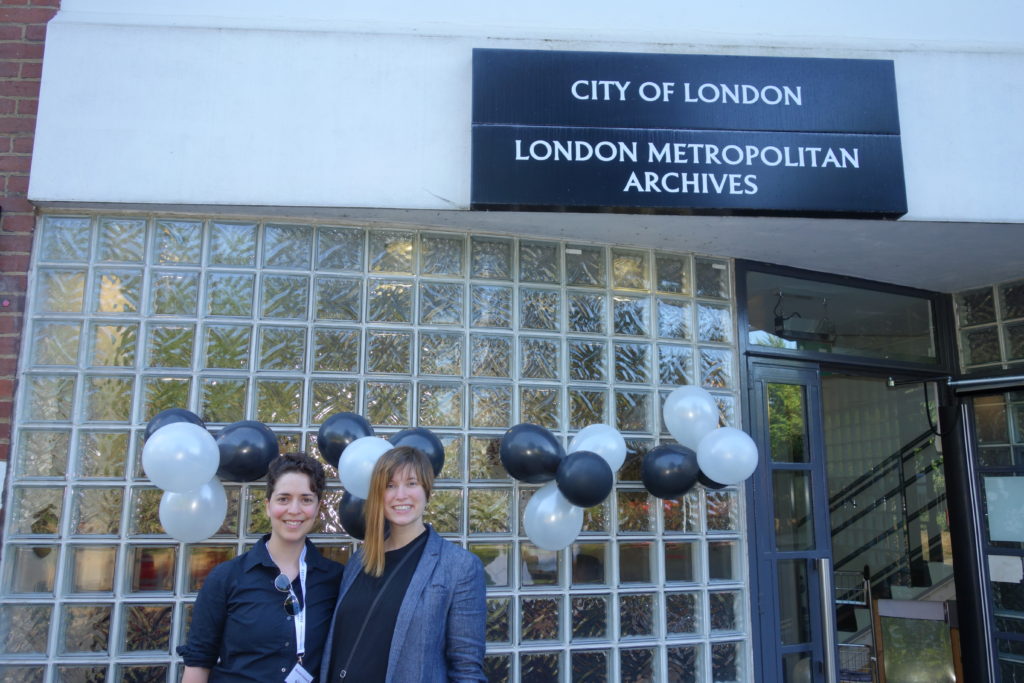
300 618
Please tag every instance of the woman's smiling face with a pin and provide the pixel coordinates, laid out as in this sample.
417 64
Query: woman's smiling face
404 499
292 507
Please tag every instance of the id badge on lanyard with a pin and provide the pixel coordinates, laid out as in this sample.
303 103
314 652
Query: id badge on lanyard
298 674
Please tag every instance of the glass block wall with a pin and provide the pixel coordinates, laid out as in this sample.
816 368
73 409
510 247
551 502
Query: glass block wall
991 326
288 323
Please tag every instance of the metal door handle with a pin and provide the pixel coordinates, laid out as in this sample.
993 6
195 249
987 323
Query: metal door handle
828 620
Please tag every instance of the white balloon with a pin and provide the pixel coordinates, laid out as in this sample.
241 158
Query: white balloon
180 457
551 522
194 516
690 414
727 455
355 467
604 440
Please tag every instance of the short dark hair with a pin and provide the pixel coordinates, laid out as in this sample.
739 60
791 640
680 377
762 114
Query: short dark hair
296 462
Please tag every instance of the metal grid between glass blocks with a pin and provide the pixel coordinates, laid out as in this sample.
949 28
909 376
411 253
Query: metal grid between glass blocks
287 323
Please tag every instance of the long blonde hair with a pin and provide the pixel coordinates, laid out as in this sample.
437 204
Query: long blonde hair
392 461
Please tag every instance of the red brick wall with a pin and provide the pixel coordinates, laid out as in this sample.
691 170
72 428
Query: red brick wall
22 30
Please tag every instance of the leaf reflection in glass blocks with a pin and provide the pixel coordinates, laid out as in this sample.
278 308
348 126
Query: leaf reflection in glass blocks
233 244
589 665
683 514
490 511
1011 300
1014 341
287 246
491 306
727 662
724 609
43 452
637 664
117 291
108 399
174 293
122 239
636 511
636 615
147 627
163 393
491 258
97 511
633 411
222 399
85 628
65 238
339 298
540 262
60 291
227 346
584 266
490 356
178 242
589 616
170 345
976 306
258 522
454 447
144 511
497 668
540 667
636 449
714 323
442 255
490 406
330 397
685 664
681 559
540 406
82 674
632 363
635 563
497 561
722 509
282 348
586 407
588 360
980 346
630 270
229 294
388 403
539 309
441 353
440 405
539 358
445 511
114 345
674 319
540 618
441 303
339 248
389 301
55 343
595 519
712 276
335 350
141 673
24 629
682 613
586 312
672 273
631 315
284 296
389 352
499 620
484 458
716 368
391 251
279 401
675 365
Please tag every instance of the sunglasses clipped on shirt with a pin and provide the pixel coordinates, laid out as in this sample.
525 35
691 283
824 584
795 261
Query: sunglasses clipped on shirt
291 603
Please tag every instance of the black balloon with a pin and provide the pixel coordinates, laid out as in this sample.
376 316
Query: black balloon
246 450
423 440
709 483
169 416
531 453
585 479
351 515
338 431
669 470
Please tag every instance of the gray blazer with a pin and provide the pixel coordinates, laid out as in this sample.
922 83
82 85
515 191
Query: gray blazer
439 634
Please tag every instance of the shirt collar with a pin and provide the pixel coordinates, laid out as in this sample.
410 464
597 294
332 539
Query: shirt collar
260 556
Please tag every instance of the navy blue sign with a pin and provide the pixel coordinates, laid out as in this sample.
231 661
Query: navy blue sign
685 133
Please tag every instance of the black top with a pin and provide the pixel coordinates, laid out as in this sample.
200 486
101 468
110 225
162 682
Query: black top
239 627
369 657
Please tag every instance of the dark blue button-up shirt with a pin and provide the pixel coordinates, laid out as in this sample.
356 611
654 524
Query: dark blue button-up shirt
240 629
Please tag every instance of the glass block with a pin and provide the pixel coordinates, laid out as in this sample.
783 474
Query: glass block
595 519
1014 341
440 353
491 306
443 255
636 564
484 459
723 560
174 293
675 365
636 511
716 371
65 238
82 674
633 411
499 620
282 348
147 627
330 397
589 564
682 613
490 356
1011 300
233 244
632 363
540 262
539 358
586 407
96 511
117 291
170 345
258 523
587 313
490 511
163 393
637 664
454 448
28 673
335 350
980 346
726 611
714 323
636 615
681 558
144 511
339 248
36 510
976 306
141 673
389 301
672 273
539 309
24 630
60 291
43 453
539 567
389 352
440 405
497 668
631 315
589 665
712 277
177 242
287 246
683 514
445 511
541 406
227 346
722 510
91 568
630 270
490 406
441 303
114 345
284 296
85 628
589 616
491 258
279 401
30 568
497 561
222 399
339 298
391 251
540 667
55 343
540 618
151 568
685 664
229 294
122 239
388 403
108 398
588 360
636 449
201 561
584 266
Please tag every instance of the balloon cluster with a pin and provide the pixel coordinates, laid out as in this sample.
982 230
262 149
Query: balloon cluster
554 515
347 441
181 457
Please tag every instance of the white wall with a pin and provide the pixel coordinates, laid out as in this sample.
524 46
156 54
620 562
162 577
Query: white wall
255 102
